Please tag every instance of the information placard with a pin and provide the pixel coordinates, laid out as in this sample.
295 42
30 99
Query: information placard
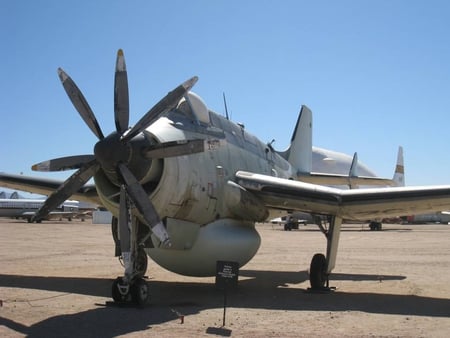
227 274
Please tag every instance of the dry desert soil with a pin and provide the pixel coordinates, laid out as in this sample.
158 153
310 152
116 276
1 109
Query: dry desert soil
55 281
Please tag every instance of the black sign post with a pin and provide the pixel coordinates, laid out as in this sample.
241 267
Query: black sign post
227 274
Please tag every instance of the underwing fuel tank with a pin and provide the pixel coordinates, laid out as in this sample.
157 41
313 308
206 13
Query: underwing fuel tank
243 204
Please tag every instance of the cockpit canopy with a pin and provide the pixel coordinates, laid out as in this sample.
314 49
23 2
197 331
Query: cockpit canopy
194 107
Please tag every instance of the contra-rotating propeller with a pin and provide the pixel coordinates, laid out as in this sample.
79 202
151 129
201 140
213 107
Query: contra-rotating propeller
114 152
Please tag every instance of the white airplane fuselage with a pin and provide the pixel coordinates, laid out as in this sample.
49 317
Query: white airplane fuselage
11 207
207 217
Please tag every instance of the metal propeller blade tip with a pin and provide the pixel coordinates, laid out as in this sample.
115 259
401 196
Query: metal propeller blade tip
121 97
63 163
120 64
80 103
190 83
62 75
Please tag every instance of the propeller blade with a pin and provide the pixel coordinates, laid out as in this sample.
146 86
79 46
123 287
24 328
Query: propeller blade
121 101
80 103
124 230
140 199
174 148
63 163
167 103
67 189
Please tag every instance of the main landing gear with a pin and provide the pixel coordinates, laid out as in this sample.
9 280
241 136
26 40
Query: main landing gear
321 266
375 226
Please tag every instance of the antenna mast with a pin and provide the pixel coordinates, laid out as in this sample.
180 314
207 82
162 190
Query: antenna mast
225 104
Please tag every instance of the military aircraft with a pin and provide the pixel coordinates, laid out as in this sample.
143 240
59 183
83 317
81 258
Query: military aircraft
187 185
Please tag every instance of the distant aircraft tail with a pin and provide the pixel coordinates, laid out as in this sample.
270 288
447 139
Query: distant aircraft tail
299 153
353 172
399 174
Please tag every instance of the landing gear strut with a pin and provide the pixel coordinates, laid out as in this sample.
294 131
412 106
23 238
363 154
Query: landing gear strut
131 287
322 266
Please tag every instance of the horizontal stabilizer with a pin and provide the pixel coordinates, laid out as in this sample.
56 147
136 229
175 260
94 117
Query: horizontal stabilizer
353 180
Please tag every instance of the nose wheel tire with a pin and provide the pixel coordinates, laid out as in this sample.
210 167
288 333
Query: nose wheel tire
137 292
120 291
140 293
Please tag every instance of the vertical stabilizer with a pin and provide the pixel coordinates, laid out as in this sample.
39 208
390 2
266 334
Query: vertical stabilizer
354 167
399 174
299 153
353 172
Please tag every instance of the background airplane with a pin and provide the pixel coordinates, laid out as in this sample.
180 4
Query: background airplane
334 167
186 186
27 208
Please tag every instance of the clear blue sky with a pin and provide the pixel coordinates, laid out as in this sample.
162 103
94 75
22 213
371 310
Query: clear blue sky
376 74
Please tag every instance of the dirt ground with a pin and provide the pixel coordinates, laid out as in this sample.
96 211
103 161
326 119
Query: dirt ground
55 281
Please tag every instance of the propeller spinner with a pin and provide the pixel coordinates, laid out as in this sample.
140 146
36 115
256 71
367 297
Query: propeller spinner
113 153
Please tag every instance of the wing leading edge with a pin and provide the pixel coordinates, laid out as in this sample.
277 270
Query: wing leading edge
357 204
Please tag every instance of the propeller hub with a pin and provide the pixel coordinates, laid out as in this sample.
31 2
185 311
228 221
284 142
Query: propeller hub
110 151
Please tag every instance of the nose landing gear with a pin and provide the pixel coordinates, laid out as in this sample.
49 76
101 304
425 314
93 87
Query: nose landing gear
135 291
131 287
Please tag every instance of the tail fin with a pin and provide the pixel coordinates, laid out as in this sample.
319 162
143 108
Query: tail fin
353 172
399 174
299 153
354 167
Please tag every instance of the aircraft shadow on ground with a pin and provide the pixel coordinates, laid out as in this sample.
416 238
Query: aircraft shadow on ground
257 290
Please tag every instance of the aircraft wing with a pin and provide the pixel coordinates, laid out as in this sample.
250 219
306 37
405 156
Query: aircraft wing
357 204
46 186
